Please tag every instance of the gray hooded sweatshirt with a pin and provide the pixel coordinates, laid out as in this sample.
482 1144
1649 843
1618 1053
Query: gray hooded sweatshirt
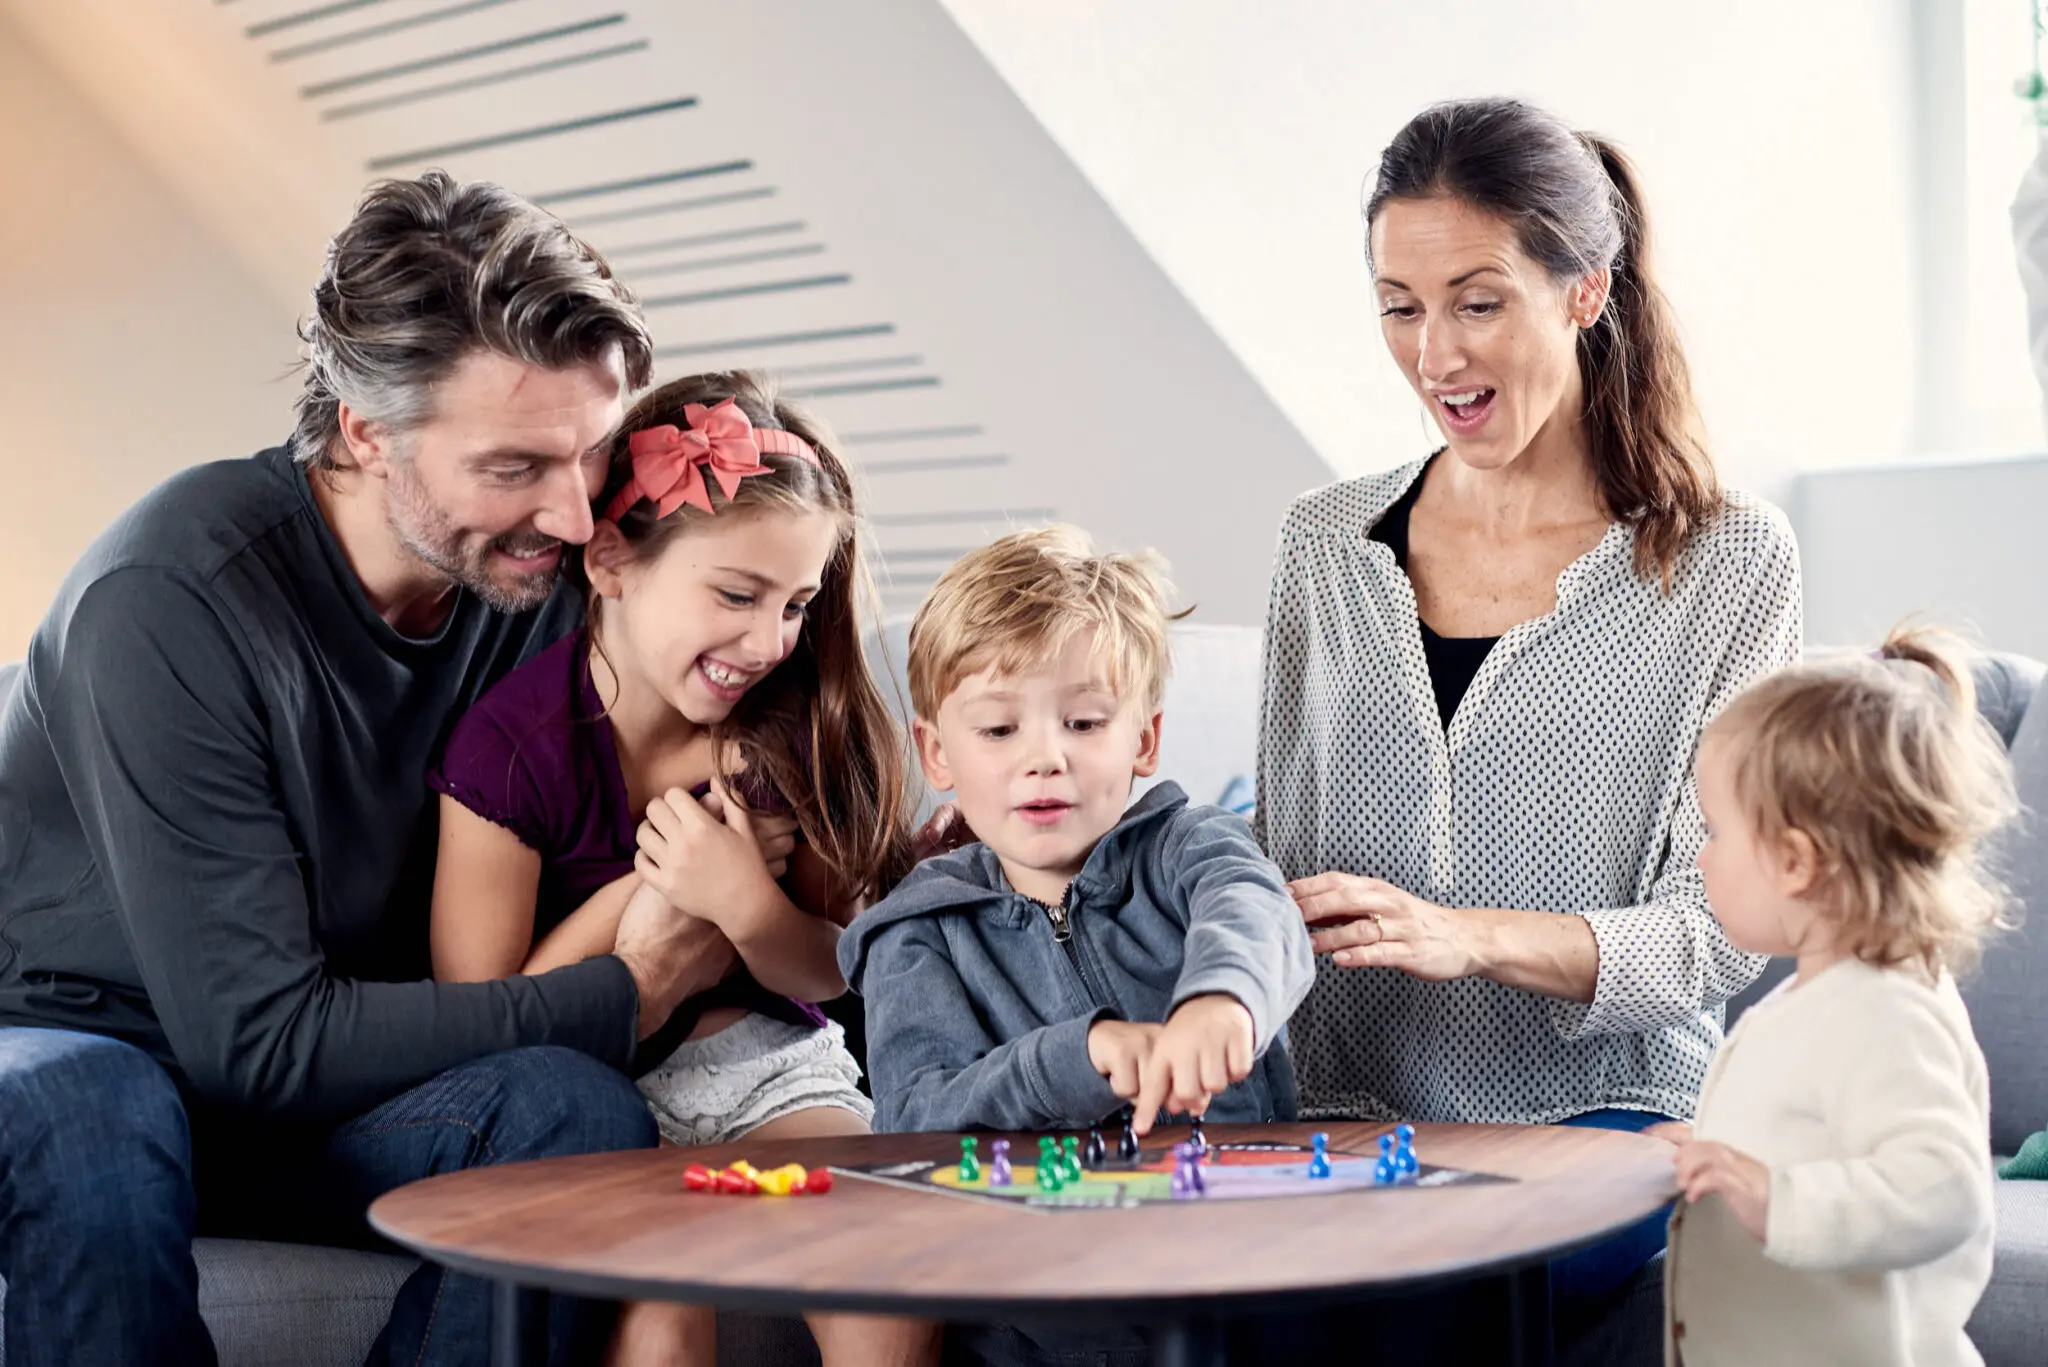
979 999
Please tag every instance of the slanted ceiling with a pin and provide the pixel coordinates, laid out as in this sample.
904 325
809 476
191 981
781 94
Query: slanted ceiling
845 194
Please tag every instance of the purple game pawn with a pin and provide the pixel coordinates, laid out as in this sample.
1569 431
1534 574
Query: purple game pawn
999 1164
1187 1172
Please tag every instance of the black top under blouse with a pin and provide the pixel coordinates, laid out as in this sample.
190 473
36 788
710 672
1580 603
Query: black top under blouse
1453 660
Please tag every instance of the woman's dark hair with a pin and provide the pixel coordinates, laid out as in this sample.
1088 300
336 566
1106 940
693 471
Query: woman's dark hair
816 729
1574 203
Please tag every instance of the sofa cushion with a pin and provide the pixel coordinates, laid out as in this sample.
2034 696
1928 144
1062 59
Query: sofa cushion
2005 994
270 1303
2011 1321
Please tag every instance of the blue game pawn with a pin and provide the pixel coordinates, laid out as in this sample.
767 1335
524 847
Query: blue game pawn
1384 1173
1404 1151
999 1163
1319 1161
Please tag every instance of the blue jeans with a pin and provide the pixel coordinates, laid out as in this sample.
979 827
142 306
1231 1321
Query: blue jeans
1582 1283
106 1174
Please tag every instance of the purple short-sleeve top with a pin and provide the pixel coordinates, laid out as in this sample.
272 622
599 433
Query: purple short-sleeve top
536 756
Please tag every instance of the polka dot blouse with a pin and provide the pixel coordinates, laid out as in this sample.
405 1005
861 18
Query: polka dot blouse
1563 783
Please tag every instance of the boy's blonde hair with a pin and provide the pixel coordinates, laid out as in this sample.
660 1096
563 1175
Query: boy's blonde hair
1884 764
1014 604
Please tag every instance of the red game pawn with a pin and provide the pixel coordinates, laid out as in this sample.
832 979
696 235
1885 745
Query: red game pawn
818 1183
697 1177
736 1183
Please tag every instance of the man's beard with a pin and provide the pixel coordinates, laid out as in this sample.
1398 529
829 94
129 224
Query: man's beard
425 531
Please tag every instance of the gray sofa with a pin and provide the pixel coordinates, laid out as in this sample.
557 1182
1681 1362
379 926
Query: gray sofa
291 1305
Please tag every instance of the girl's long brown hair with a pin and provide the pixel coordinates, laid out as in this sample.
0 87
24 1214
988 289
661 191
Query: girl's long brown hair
815 729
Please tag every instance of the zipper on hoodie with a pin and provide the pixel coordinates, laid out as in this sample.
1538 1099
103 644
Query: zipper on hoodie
1062 918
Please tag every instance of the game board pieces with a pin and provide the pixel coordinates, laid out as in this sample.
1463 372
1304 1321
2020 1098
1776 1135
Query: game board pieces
1197 1138
1070 1160
1384 1173
970 1161
1319 1161
1097 1152
1187 1171
744 1179
999 1163
1052 1173
1405 1161
1127 1144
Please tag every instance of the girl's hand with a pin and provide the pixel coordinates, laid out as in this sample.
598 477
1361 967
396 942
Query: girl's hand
774 836
709 866
945 831
1709 1169
1367 923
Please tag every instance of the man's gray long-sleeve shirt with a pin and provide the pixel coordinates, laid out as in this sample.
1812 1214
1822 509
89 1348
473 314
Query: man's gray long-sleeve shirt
215 834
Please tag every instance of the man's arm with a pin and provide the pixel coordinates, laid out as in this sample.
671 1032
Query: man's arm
159 729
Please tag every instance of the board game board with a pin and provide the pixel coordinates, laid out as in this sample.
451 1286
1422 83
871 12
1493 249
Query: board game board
1233 1172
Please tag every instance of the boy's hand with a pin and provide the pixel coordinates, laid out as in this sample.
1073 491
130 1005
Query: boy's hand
1119 1050
1204 1046
1706 1168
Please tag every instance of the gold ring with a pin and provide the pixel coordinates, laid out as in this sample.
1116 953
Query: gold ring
1374 917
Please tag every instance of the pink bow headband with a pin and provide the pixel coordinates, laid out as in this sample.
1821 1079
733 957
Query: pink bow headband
669 461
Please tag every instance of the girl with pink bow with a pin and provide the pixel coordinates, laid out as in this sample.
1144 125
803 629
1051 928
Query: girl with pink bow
712 738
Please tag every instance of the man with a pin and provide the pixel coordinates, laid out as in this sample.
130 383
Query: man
216 843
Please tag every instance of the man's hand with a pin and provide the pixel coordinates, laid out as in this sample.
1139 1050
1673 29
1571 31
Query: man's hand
1119 1049
671 955
1205 1045
703 856
1707 1169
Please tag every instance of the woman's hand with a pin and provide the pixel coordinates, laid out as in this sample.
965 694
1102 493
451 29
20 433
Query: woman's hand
704 857
1708 1169
1367 923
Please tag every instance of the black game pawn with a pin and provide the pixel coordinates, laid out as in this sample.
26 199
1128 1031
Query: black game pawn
1198 1139
1097 1152
1127 1143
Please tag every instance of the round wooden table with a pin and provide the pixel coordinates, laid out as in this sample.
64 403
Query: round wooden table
621 1226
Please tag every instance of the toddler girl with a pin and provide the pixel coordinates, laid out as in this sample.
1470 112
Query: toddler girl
1838 1175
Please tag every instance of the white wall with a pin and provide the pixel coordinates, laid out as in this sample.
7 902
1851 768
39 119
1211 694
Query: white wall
1234 139
1958 545
132 343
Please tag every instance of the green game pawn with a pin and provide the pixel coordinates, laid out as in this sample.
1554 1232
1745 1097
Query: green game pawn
1070 1159
970 1161
1051 1170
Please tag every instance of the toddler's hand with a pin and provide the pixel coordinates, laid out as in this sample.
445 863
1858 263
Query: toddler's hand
1204 1047
1118 1050
1706 1169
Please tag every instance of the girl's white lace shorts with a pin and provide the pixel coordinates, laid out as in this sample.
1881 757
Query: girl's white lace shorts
717 1088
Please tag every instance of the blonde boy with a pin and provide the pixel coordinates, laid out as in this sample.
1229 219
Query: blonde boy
1078 957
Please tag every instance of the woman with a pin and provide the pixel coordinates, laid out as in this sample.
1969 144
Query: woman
1487 672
